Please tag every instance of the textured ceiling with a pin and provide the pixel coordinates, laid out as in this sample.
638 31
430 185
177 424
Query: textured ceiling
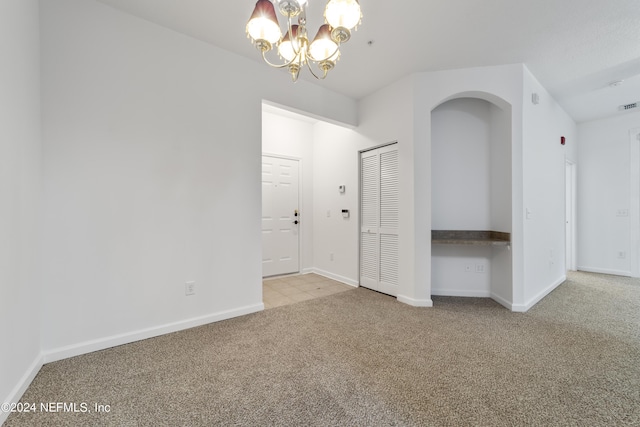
575 48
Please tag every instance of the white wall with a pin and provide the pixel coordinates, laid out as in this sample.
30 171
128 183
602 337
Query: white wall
501 168
461 167
20 196
152 168
604 187
336 162
502 86
293 138
544 190
390 115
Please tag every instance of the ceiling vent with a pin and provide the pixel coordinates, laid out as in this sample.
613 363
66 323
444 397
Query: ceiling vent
628 106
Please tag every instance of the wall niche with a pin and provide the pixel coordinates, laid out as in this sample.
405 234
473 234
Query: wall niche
471 196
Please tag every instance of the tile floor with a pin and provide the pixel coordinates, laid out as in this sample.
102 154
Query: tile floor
284 290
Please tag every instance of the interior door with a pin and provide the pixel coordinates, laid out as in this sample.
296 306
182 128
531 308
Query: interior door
379 219
280 216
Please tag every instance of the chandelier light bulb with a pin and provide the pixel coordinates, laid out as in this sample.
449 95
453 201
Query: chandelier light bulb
263 25
293 46
343 13
323 47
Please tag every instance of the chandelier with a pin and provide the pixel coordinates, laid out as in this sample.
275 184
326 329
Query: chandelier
341 16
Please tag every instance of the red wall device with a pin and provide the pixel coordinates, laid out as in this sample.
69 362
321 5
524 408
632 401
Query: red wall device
562 140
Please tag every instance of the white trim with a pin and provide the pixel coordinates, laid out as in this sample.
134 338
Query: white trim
335 277
503 302
460 293
375 147
571 198
523 308
415 302
604 271
129 337
307 270
282 156
17 392
634 203
307 116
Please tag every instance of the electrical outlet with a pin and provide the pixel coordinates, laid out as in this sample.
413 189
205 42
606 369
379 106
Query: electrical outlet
190 288
330 256
622 255
479 268
622 212
328 214
467 268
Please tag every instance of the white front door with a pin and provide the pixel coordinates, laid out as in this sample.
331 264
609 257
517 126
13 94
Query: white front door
379 219
280 216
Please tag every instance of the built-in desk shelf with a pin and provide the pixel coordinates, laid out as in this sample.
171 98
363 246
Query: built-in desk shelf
468 237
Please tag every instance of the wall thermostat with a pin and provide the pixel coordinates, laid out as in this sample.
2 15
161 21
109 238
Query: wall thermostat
342 188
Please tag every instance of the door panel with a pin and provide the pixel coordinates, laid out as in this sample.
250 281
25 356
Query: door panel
280 233
380 207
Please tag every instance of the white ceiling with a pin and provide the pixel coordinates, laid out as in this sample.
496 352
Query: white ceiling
575 48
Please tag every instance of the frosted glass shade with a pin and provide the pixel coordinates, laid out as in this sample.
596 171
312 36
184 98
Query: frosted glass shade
323 47
343 13
263 24
290 44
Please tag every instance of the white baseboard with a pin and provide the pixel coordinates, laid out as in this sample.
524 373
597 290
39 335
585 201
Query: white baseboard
503 302
336 277
605 271
523 308
460 293
129 337
415 302
22 385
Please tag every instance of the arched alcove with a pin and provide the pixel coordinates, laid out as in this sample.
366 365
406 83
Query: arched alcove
471 197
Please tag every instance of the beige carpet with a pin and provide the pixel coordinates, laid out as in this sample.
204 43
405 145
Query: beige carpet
361 358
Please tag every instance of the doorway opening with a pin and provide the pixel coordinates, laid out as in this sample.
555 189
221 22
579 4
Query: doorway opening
280 216
634 202
570 215
326 232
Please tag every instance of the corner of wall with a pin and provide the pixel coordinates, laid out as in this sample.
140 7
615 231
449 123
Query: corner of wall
415 302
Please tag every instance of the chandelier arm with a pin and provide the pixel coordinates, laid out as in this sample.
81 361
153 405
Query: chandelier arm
328 56
314 74
297 38
264 57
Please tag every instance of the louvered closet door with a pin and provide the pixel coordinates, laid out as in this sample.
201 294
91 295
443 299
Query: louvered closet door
379 207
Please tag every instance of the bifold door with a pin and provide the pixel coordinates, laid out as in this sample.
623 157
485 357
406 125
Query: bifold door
379 219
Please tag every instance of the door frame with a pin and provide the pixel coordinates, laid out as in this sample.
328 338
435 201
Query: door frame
300 203
634 202
570 215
